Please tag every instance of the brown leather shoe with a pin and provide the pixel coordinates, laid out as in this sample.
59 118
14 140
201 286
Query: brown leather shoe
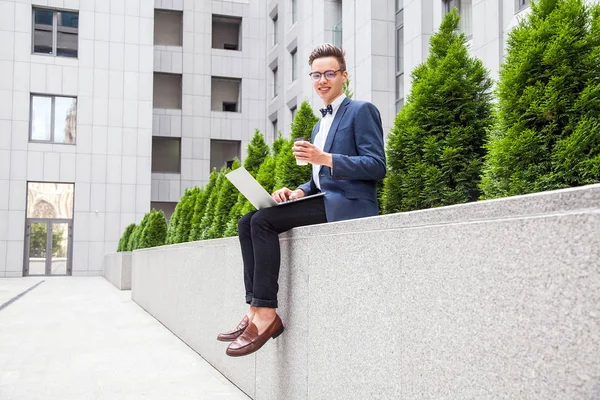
234 334
250 341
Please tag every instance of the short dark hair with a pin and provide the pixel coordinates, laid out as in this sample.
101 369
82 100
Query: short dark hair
328 50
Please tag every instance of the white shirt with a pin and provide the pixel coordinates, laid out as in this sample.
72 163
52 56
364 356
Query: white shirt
321 137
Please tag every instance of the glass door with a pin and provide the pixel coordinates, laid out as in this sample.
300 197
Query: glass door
37 233
48 247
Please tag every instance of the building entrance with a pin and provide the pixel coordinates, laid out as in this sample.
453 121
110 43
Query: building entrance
48 247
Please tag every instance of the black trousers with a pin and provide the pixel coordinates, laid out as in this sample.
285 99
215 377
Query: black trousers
259 238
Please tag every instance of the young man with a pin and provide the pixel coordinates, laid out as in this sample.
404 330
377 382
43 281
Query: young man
348 158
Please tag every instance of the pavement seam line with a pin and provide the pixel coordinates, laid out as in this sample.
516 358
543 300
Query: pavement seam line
17 297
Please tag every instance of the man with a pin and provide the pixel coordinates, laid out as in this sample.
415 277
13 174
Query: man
348 157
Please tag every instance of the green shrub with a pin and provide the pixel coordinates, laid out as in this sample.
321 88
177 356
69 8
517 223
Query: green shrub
134 239
257 151
287 173
124 241
548 130
226 200
199 207
436 147
208 215
155 230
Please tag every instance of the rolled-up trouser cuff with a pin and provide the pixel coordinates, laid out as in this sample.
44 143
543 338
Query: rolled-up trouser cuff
264 303
248 299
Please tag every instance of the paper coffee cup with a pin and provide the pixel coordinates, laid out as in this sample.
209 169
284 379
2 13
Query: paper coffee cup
301 162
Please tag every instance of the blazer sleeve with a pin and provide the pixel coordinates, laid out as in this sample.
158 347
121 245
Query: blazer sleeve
369 164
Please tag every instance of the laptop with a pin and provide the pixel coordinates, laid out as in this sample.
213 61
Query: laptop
255 193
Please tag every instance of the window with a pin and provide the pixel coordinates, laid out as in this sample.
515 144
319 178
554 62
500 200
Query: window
399 55
166 154
275 91
53 119
229 106
223 152
399 5
465 10
274 126
55 32
293 110
294 61
167 91
225 94
520 5
294 11
275 27
226 32
168 28
167 207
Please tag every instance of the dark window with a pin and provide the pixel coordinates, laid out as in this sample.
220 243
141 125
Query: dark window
166 154
55 32
229 107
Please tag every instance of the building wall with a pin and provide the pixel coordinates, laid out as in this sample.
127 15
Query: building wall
196 124
110 163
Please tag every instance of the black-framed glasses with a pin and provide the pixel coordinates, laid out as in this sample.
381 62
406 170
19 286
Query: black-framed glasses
329 75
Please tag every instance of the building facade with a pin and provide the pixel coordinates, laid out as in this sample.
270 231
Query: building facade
111 107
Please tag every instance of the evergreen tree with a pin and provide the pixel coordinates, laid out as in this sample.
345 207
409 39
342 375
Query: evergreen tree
124 241
211 206
155 230
226 200
257 151
134 239
199 207
548 130
287 173
346 88
184 218
277 144
436 147
175 220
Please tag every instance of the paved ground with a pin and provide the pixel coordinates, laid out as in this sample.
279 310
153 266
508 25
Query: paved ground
81 338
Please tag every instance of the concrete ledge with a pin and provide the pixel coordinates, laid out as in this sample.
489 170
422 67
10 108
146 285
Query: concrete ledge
117 269
495 299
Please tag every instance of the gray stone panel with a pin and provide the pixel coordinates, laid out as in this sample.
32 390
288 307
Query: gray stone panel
495 299
117 269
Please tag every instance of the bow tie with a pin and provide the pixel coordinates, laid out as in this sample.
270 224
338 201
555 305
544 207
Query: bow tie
326 110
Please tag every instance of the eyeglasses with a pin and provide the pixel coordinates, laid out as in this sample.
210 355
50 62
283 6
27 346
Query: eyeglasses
329 75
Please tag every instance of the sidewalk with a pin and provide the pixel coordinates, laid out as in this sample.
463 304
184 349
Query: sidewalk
81 338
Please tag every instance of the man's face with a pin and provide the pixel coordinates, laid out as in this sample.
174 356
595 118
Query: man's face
328 89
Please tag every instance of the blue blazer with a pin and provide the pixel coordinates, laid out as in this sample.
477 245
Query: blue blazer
355 140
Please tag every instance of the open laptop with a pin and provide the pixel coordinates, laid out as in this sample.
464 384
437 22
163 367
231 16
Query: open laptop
255 193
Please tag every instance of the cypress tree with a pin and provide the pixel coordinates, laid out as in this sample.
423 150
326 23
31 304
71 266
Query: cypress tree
124 241
548 130
184 222
436 147
211 206
226 200
257 151
287 173
155 230
134 239
175 220
199 207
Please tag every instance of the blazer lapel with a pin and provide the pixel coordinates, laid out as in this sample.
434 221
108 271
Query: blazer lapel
336 122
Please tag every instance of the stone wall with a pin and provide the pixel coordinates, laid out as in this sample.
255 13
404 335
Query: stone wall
495 299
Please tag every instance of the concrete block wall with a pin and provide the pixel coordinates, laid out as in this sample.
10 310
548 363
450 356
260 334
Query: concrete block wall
495 299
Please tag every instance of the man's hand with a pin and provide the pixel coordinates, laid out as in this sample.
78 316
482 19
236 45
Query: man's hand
307 151
285 194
